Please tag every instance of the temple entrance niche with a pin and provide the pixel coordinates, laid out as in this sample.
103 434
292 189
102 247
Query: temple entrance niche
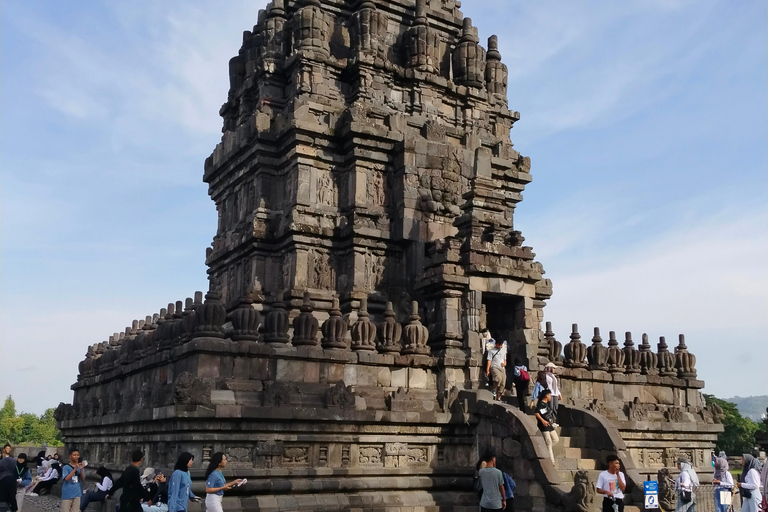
504 316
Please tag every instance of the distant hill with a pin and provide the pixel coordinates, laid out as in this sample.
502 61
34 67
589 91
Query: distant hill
752 407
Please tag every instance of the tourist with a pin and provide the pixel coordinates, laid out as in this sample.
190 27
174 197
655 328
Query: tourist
6 451
101 490
39 460
723 482
492 485
495 367
72 487
749 484
522 380
8 483
56 457
215 484
545 417
685 486
180 486
48 480
148 482
23 478
611 484
540 385
552 384
130 482
159 501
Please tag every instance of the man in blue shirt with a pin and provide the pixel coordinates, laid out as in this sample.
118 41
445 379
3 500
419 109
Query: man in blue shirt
72 486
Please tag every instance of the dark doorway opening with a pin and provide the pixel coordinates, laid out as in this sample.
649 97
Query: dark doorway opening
505 318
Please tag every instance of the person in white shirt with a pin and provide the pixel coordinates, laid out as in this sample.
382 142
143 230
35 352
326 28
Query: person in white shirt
100 493
495 367
685 485
611 484
749 484
552 384
723 481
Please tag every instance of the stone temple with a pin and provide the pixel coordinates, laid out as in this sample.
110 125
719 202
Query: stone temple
366 187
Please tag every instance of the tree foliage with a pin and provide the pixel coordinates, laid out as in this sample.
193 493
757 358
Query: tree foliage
26 428
739 434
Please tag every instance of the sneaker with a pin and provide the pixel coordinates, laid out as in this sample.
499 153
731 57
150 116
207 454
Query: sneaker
31 494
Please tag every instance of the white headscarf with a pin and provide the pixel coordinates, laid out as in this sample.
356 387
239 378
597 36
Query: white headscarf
685 465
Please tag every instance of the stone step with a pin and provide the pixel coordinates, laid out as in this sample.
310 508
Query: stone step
566 475
587 464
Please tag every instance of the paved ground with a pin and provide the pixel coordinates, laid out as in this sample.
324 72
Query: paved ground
41 504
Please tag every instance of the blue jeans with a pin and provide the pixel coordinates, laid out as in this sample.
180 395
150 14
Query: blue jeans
91 496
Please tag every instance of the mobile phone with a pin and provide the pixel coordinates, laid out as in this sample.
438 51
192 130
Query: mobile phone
85 463
242 482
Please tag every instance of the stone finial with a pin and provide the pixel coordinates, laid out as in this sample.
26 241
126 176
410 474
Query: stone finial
554 347
631 355
363 330
666 359
469 58
615 354
210 317
416 334
147 324
390 332
496 73
575 351
177 313
421 41
685 362
335 328
245 321
187 320
275 39
597 354
276 323
312 30
198 298
368 28
305 326
648 360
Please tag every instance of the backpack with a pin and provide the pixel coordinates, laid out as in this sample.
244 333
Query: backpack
509 486
524 376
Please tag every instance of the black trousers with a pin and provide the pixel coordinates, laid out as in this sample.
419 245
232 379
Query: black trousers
521 389
608 504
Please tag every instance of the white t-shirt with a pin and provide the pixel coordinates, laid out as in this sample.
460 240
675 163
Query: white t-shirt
609 482
497 356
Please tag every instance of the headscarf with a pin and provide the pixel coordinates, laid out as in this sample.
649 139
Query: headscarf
721 468
183 460
685 465
147 476
750 462
104 473
40 457
7 468
21 466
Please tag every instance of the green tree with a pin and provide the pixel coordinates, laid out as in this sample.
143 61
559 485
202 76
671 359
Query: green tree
739 434
11 426
25 428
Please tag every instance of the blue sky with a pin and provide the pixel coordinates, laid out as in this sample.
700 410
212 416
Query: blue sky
645 121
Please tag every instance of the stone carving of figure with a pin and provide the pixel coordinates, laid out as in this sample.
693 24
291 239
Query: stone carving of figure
582 494
326 192
667 495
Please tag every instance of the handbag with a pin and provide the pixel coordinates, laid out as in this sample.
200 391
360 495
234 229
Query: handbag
746 493
686 496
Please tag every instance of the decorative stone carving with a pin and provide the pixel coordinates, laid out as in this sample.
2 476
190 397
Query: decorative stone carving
363 330
674 414
615 355
422 42
239 457
312 30
597 354
210 317
274 49
554 347
296 456
305 326
666 359
581 497
340 396
469 58
631 355
390 332
416 335
685 362
245 321
276 323
638 411
335 328
190 390
496 73
648 360
718 414
575 351
276 394
667 494
370 455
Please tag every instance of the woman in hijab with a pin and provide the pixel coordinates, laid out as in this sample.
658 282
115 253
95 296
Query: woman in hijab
179 488
102 488
48 480
522 380
723 481
685 485
749 484
8 483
